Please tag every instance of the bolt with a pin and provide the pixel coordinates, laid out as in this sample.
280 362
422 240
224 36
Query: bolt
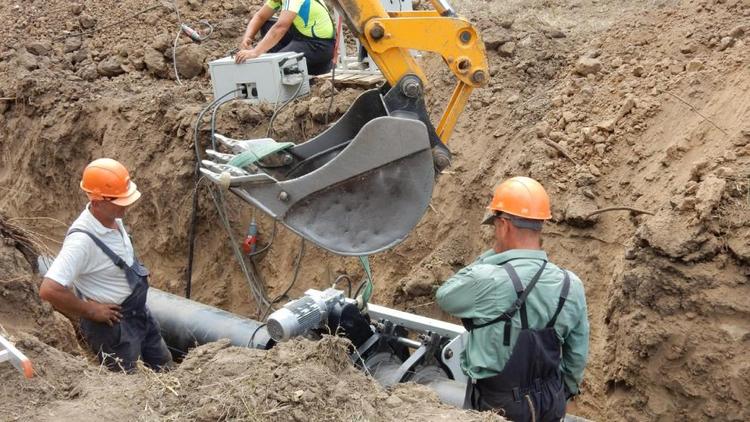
465 37
411 88
478 76
440 158
463 65
283 196
377 31
287 159
448 353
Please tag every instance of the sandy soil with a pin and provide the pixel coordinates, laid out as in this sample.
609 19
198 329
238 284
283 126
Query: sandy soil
640 104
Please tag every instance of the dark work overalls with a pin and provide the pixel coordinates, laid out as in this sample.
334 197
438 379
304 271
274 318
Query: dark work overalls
137 334
318 52
530 386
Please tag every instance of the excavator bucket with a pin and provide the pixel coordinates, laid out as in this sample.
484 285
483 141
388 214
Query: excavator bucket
358 188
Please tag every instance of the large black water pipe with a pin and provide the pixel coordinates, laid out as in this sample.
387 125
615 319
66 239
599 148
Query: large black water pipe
186 324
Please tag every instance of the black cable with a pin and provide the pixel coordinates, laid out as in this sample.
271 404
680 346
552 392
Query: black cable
213 118
291 284
278 110
252 337
296 271
349 281
253 272
256 275
196 179
255 288
362 284
314 156
213 134
268 245
333 92
196 135
191 240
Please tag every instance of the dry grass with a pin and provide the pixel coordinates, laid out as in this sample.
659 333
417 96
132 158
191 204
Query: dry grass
30 242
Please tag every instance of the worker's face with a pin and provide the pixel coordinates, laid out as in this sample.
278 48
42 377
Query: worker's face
108 209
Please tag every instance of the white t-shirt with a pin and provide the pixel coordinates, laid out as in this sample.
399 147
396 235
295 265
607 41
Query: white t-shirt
82 264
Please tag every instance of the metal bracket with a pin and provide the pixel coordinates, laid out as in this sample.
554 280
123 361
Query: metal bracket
450 356
398 376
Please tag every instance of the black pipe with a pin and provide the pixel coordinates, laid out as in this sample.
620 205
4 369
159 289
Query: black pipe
186 324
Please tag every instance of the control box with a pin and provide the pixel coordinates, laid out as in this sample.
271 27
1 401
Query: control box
272 78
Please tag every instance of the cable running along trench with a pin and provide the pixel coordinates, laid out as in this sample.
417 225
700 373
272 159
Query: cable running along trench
297 266
196 178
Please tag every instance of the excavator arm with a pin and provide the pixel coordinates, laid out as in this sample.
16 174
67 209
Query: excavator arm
362 185
388 37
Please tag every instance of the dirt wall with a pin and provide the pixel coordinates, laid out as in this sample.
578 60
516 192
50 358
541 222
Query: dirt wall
639 104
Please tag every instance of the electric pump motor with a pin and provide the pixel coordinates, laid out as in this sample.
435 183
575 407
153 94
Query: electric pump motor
307 313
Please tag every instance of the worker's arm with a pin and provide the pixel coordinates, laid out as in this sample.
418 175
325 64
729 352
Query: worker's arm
575 348
256 22
66 302
458 295
69 264
273 36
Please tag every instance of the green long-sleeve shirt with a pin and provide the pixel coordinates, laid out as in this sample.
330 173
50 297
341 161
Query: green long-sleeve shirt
483 290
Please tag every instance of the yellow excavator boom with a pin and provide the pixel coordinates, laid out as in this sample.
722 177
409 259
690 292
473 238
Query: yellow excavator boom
388 37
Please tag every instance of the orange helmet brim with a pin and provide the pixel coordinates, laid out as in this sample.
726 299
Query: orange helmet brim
133 195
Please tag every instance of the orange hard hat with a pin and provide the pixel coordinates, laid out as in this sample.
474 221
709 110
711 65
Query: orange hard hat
107 179
522 197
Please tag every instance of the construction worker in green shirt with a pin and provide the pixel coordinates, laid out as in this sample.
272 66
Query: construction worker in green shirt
528 328
303 26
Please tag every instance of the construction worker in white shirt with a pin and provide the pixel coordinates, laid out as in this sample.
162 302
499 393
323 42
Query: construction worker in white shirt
98 262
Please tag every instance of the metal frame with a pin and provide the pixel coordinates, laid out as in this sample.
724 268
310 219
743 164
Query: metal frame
449 355
9 353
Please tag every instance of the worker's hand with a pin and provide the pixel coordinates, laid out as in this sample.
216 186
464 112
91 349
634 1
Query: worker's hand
243 55
246 43
107 313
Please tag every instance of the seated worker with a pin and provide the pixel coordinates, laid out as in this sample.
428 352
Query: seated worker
303 26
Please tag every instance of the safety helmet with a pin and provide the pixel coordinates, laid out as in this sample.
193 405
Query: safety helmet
520 197
107 179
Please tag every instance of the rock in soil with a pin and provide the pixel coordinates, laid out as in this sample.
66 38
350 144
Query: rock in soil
110 66
577 211
191 61
586 66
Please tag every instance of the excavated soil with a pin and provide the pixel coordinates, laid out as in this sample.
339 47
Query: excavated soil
641 105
